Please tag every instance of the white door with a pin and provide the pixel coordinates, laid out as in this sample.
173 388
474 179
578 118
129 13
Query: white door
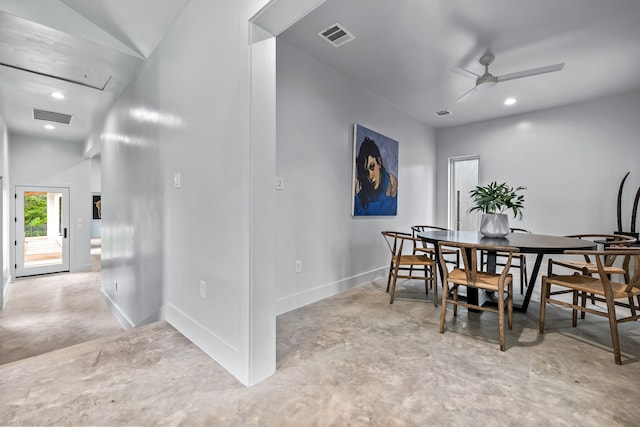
463 177
42 230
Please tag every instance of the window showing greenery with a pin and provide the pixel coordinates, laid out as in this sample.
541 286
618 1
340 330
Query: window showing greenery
35 214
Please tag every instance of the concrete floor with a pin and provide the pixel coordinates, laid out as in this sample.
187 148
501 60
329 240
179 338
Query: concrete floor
352 359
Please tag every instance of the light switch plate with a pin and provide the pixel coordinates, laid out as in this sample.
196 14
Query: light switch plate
177 180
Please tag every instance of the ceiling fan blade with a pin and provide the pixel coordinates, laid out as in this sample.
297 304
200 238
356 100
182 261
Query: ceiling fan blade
467 93
531 72
464 72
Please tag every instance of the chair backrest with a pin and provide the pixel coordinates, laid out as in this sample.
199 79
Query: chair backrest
470 259
415 229
607 240
631 264
395 240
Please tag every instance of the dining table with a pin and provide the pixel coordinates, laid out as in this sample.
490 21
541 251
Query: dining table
539 244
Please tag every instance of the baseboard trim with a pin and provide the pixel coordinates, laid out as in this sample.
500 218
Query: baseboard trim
80 268
300 299
117 311
5 291
228 356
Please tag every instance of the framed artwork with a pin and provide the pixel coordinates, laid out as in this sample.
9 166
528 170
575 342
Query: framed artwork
375 173
97 207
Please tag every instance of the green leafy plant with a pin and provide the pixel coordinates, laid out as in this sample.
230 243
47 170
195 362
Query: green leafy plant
497 198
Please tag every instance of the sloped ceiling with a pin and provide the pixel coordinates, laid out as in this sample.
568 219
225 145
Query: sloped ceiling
88 50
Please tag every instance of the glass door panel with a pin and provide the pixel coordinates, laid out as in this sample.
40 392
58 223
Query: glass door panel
41 230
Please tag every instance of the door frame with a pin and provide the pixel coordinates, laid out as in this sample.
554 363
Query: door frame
452 204
19 269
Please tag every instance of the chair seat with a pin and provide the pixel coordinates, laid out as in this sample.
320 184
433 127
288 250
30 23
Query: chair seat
487 281
414 260
591 268
592 285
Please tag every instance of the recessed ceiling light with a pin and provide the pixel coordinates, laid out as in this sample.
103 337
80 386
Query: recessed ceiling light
50 127
510 101
57 95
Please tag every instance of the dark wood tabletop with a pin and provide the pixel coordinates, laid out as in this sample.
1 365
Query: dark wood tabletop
527 243
538 244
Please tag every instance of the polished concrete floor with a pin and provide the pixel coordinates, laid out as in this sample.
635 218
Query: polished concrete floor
352 359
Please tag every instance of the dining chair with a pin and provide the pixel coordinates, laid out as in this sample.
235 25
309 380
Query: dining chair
617 296
519 261
471 275
588 267
403 261
453 256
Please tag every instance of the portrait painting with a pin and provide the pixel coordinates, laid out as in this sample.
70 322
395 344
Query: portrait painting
375 173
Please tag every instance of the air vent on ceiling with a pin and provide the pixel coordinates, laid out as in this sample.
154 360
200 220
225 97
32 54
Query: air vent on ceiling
51 116
336 34
442 113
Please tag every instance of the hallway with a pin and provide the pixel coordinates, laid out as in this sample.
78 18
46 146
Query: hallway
50 312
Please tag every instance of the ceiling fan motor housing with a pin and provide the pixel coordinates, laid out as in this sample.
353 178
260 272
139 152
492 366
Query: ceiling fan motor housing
487 80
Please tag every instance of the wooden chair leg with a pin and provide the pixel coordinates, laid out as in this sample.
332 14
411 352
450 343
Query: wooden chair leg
613 325
501 318
574 311
426 280
455 298
434 280
393 284
544 294
443 312
510 307
391 269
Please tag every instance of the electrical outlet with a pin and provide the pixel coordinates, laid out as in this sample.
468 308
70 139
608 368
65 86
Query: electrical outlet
299 266
279 183
203 289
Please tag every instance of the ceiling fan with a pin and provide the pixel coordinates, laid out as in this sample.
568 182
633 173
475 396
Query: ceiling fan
488 80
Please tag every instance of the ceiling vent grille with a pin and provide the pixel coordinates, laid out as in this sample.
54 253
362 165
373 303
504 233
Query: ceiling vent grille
336 34
51 116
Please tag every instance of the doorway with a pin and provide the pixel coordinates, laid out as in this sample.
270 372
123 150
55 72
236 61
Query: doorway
463 177
42 230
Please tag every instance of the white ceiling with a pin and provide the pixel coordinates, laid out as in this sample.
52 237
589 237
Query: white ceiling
409 51
89 50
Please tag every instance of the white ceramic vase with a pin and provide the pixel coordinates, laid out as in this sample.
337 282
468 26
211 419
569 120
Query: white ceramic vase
494 225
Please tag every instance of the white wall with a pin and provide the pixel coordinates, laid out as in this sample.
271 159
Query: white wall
571 159
187 112
316 110
40 162
5 215
131 225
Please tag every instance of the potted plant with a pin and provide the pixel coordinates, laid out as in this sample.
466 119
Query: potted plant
493 200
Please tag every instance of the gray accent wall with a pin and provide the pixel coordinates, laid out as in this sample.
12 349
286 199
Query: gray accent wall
317 108
571 159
